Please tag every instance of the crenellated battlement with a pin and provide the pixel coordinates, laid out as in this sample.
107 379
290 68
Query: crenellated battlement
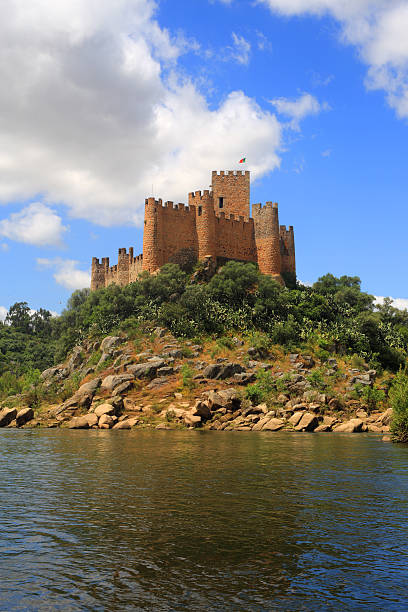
216 223
230 173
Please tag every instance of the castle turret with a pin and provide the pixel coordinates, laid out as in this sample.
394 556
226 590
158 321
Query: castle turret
205 222
231 192
267 239
152 235
98 273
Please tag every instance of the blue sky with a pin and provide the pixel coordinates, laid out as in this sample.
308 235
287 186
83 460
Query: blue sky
101 104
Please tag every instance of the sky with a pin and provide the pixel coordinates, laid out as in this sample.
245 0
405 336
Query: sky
106 102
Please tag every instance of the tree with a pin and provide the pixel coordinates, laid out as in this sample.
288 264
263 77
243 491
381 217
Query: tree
19 317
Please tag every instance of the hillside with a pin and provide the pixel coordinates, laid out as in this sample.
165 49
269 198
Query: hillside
236 351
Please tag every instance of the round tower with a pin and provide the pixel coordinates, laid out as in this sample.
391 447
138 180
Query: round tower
267 239
205 224
151 235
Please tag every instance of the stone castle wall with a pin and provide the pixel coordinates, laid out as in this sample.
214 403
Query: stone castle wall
216 223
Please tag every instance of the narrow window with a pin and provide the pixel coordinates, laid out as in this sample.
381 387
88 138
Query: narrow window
221 202
200 210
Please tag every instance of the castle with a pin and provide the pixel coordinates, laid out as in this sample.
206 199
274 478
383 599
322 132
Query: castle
215 225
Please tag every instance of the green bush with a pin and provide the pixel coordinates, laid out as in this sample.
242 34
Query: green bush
318 380
187 375
262 389
398 397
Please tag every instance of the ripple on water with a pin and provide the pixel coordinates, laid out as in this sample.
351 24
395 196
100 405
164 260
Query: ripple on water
202 521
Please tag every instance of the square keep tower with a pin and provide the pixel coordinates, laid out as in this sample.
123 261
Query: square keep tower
231 192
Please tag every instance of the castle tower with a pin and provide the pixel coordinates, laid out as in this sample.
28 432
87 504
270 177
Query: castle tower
152 235
267 239
231 192
99 271
205 223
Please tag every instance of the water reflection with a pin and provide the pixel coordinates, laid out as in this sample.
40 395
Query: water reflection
202 521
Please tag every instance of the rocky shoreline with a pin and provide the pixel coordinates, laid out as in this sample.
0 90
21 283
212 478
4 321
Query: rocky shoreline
170 385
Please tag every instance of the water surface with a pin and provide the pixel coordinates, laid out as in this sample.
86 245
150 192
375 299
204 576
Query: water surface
103 520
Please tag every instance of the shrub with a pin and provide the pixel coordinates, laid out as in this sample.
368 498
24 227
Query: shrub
357 362
187 375
262 389
399 403
318 380
370 397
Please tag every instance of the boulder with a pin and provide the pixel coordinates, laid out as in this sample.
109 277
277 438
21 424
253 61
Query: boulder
91 418
352 426
157 382
23 416
322 427
82 397
361 414
109 343
227 398
105 420
335 404
104 409
147 369
308 422
259 425
221 371
202 410
130 405
58 372
6 416
273 425
114 380
123 425
123 388
78 423
296 417
75 359
192 420
245 378
374 428
326 424
385 418
166 371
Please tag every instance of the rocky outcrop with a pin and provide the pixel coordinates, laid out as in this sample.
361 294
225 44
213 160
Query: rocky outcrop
351 426
308 422
6 416
147 369
221 371
24 416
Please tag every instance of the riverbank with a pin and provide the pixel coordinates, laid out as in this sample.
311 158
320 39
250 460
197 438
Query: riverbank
228 383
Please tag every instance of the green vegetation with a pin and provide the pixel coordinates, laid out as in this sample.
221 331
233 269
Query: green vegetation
398 397
333 315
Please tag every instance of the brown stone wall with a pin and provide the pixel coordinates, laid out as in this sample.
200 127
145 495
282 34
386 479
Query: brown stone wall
287 248
235 238
234 188
267 238
169 230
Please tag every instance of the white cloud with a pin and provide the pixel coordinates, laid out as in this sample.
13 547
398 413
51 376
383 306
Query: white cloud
4 246
378 28
3 313
400 303
66 272
241 50
35 224
326 153
93 110
300 108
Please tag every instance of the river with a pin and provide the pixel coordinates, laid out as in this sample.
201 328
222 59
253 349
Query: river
202 521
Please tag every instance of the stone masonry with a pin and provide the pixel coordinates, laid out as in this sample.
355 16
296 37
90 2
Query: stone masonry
216 224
